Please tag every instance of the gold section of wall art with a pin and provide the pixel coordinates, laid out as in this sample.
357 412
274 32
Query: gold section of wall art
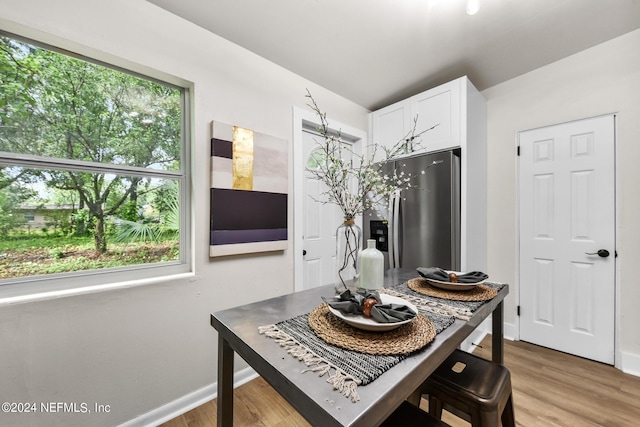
242 167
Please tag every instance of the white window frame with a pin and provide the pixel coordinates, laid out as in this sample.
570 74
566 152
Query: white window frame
32 288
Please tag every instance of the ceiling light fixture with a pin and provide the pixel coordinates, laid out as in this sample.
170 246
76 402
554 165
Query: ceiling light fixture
473 6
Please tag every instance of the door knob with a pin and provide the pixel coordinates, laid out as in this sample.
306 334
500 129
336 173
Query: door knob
304 252
603 253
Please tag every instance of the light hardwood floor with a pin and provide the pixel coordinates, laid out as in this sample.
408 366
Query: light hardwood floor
549 389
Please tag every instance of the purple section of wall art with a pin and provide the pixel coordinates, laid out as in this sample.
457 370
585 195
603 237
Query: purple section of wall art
247 210
227 237
221 148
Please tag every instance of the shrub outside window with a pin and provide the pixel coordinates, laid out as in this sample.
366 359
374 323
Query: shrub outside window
92 166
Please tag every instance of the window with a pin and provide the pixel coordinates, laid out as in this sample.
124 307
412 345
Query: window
96 157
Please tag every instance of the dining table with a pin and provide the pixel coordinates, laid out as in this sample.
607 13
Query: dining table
318 402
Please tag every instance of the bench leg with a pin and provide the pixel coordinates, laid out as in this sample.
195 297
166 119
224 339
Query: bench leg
508 414
435 407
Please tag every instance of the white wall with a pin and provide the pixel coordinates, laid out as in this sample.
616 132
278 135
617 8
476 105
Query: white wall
601 80
139 348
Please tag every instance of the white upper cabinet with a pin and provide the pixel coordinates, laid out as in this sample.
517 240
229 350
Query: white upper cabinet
439 107
391 125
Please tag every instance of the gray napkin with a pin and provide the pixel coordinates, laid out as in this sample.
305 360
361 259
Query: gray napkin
436 273
350 302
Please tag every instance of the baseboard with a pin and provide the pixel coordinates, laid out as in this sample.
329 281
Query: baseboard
187 402
469 344
630 364
510 331
473 340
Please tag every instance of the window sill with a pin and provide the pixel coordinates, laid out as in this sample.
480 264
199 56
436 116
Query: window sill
21 294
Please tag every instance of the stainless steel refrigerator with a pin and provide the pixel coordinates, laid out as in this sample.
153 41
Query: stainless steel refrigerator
421 226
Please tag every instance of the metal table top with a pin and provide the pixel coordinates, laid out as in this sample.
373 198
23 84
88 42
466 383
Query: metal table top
311 395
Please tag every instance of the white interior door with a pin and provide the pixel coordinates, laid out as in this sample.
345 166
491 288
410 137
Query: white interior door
567 214
314 224
319 225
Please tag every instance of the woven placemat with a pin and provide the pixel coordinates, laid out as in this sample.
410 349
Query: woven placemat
478 293
404 339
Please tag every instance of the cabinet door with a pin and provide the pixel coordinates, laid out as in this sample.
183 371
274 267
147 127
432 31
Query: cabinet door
440 107
390 125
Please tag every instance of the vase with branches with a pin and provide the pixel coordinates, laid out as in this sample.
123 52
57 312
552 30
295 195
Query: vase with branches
355 182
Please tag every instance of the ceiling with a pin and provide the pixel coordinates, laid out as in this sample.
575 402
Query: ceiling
376 52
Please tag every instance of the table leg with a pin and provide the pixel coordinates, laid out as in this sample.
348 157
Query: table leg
497 334
225 383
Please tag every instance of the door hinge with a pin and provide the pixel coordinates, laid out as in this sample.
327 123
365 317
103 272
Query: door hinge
518 150
518 310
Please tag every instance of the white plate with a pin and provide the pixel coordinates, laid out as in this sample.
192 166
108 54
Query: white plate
361 321
454 286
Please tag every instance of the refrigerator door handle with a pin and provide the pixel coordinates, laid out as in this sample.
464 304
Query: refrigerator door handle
396 235
390 231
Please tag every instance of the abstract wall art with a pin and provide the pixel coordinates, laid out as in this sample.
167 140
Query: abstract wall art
249 186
